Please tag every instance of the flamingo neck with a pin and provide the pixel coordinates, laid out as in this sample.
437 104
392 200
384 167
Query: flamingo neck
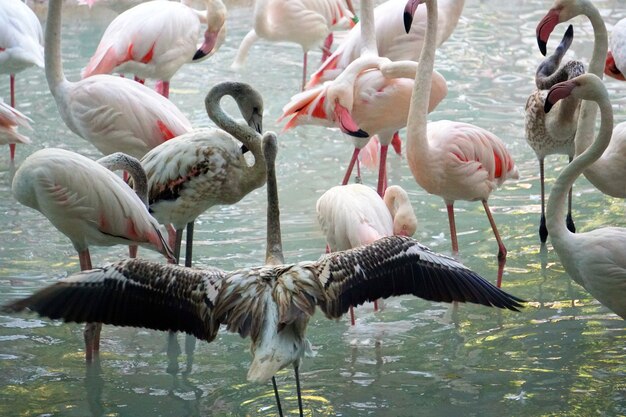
588 109
262 25
121 161
215 14
368 28
52 56
452 10
555 210
274 247
417 142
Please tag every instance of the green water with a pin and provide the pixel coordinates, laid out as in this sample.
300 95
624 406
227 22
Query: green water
564 355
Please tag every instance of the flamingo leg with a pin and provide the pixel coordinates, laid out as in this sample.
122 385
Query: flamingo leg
326 48
304 64
175 238
132 251
501 248
352 319
382 170
455 243
353 160
190 340
163 88
543 230
189 244
91 334
12 88
280 409
568 220
295 368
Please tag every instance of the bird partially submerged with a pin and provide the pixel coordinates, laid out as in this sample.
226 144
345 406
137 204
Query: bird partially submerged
271 304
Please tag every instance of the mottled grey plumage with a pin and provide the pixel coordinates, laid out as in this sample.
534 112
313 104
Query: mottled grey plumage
272 304
553 132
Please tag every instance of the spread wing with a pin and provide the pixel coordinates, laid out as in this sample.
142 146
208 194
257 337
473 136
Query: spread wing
398 265
136 293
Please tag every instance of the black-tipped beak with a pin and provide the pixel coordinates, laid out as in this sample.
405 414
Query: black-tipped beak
542 46
408 21
547 106
358 133
199 55
256 122
409 12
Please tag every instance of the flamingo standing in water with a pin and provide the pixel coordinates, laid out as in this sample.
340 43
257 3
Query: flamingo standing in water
553 133
596 259
305 22
615 65
392 41
10 119
154 39
115 114
454 160
607 173
21 44
354 215
90 205
358 95
273 303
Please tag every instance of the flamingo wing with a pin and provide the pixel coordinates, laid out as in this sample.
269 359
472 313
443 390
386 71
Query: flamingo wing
21 37
10 119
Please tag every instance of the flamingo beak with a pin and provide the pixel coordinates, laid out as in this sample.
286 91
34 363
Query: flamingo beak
409 12
347 123
545 28
558 92
210 39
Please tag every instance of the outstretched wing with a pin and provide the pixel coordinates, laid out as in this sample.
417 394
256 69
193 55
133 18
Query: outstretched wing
133 292
397 265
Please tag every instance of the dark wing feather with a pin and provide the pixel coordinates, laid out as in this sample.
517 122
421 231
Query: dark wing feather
134 293
399 265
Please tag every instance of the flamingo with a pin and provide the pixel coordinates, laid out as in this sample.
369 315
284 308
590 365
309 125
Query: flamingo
595 259
10 119
615 64
552 133
90 205
354 215
608 173
21 44
305 22
361 91
115 114
205 167
392 40
455 160
154 39
272 304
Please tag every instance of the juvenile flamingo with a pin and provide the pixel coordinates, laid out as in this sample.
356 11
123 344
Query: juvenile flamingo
115 114
21 44
607 173
90 205
553 133
595 259
354 215
154 39
305 22
454 160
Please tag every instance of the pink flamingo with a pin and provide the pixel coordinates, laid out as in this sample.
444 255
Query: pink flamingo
457 161
392 40
10 119
595 259
354 215
305 22
90 205
115 114
154 39
615 65
21 44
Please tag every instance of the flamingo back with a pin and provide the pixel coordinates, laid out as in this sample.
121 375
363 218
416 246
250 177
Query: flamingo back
21 37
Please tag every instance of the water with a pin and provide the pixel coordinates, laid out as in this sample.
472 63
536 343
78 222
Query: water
564 355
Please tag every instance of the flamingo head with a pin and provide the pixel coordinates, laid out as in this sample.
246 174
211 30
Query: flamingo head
584 87
611 69
215 33
341 97
561 11
409 12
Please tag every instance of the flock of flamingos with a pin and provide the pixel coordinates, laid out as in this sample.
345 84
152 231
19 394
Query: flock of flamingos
377 81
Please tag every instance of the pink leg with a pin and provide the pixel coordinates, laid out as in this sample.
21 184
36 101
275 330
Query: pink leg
455 243
326 48
352 320
355 157
91 334
132 251
12 88
304 64
382 170
501 248
163 88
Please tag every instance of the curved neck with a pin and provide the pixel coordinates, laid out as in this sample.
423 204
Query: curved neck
452 10
417 142
242 132
261 24
274 247
121 161
52 47
368 28
588 109
555 211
